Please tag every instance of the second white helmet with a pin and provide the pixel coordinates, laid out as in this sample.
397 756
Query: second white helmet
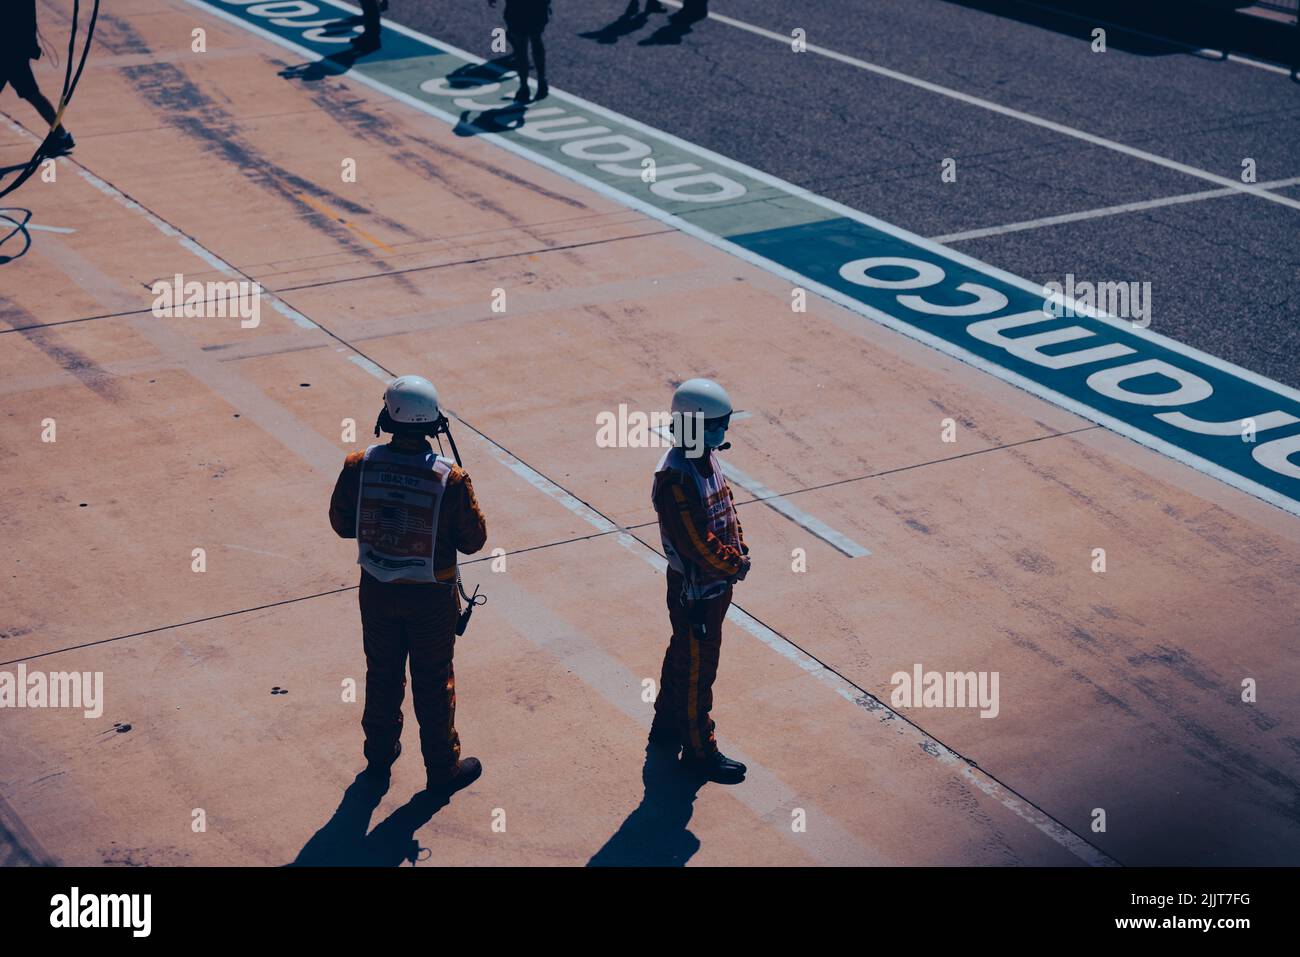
702 397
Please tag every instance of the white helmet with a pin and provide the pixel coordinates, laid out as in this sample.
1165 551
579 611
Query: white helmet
412 400
702 397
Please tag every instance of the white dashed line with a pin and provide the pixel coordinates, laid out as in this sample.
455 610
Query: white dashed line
1103 211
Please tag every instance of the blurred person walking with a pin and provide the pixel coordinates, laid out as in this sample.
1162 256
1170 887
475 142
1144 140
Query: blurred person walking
525 21
371 32
19 45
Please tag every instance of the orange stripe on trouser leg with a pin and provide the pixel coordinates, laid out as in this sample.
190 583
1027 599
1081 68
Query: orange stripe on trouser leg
690 666
418 621
449 732
693 698
433 686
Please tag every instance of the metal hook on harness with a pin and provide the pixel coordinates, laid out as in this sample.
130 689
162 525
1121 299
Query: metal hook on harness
470 602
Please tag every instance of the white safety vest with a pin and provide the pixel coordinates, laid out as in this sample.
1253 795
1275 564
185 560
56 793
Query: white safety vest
398 502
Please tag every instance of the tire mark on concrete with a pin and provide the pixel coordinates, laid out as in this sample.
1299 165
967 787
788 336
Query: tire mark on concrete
86 370
181 105
374 126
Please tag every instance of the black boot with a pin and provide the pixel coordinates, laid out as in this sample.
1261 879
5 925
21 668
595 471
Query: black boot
377 772
664 736
714 767
60 144
467 772
368 42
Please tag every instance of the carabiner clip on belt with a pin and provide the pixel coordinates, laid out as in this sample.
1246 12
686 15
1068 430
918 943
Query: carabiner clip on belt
470 602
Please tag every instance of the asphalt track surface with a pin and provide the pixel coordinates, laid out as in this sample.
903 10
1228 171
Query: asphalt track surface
1225 271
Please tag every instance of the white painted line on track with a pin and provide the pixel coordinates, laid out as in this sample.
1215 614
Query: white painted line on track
767 797
1103 211
36 226
970 100
782 506
370 367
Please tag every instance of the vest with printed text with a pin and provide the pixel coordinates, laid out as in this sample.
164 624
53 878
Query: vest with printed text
398 502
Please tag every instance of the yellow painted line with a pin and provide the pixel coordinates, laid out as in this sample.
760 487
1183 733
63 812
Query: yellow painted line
326 211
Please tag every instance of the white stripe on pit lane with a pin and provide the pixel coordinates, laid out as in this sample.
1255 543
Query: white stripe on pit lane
971 100
826 841
369 366
36 226
971 774
1103 211
781 505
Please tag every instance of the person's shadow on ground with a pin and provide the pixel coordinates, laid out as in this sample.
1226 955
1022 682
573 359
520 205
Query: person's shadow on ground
473 75
471 78
678 25
501 120
336 63
630 20
343 841
655 834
